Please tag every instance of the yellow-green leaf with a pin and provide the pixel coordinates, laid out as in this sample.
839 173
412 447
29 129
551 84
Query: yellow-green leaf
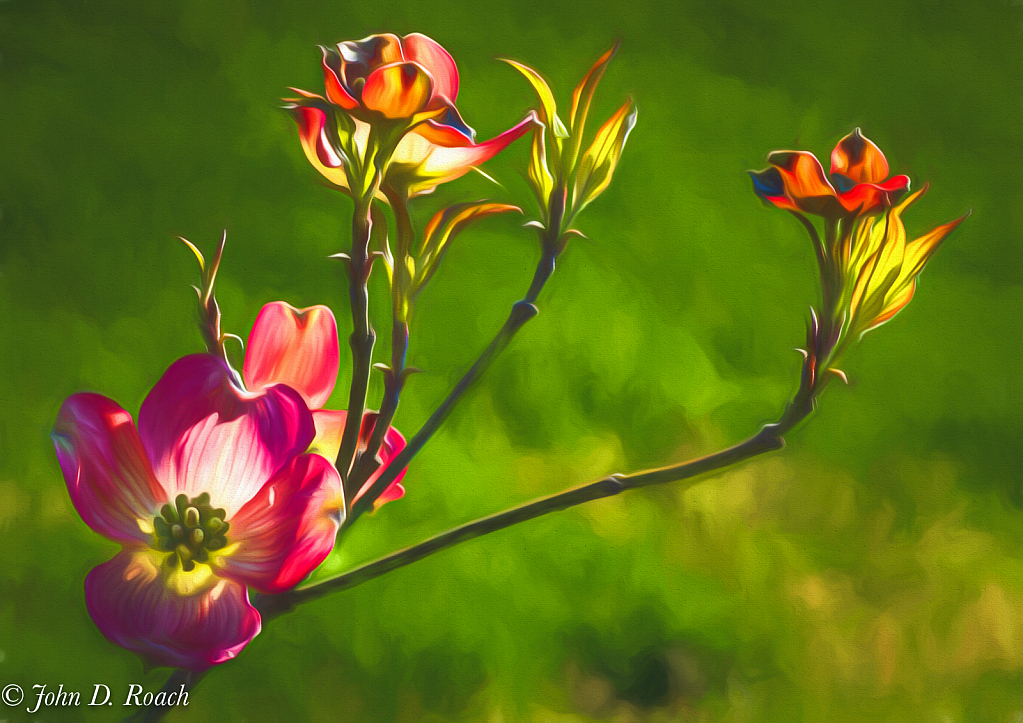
548 108
583 93
601 158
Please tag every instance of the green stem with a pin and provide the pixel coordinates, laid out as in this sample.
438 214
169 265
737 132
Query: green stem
362 338
367 461
768 439
522 311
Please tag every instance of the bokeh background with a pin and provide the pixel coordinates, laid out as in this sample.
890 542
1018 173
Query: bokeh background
871 571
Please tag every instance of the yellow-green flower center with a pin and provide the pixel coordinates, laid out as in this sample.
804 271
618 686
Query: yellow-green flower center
190 530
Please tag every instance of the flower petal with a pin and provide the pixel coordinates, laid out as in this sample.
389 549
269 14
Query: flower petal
804 181
768 185
287 529
865 198
203 434
398 90
857 158
312 133
446 128
297 347
360 57
334 80
330 427
132 605
393 443
108 474
422 165
417 48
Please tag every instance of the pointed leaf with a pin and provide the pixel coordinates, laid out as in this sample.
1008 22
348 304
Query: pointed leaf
548 108
443 227
601 158
583 93
539 176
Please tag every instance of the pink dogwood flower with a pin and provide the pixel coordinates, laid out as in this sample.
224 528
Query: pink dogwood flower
212 492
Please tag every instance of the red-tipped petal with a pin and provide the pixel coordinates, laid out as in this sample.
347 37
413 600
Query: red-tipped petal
288 528
398 90
393 443
203 434
417 48
428 165
136 606
859 159
870 197
312 134
297 347
108 475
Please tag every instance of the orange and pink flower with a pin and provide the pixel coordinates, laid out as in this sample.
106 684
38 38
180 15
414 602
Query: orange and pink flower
383 80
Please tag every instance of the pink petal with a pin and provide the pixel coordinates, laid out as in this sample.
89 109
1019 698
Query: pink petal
297 347
108 474
203 434
418 48
393 443
137 605
287 529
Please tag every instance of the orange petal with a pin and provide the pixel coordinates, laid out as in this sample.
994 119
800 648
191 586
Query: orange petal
857 158
398 90
804 181
866 198
333 80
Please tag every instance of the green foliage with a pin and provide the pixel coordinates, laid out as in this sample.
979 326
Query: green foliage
869 572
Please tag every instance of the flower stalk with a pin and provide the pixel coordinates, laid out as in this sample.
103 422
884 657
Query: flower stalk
358 266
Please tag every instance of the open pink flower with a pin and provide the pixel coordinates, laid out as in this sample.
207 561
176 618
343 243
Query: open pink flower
214 491
385 80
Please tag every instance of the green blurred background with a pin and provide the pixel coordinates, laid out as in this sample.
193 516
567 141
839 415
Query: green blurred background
869 572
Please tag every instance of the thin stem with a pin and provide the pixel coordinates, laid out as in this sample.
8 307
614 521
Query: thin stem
367 461
768 439
522 311
363 337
